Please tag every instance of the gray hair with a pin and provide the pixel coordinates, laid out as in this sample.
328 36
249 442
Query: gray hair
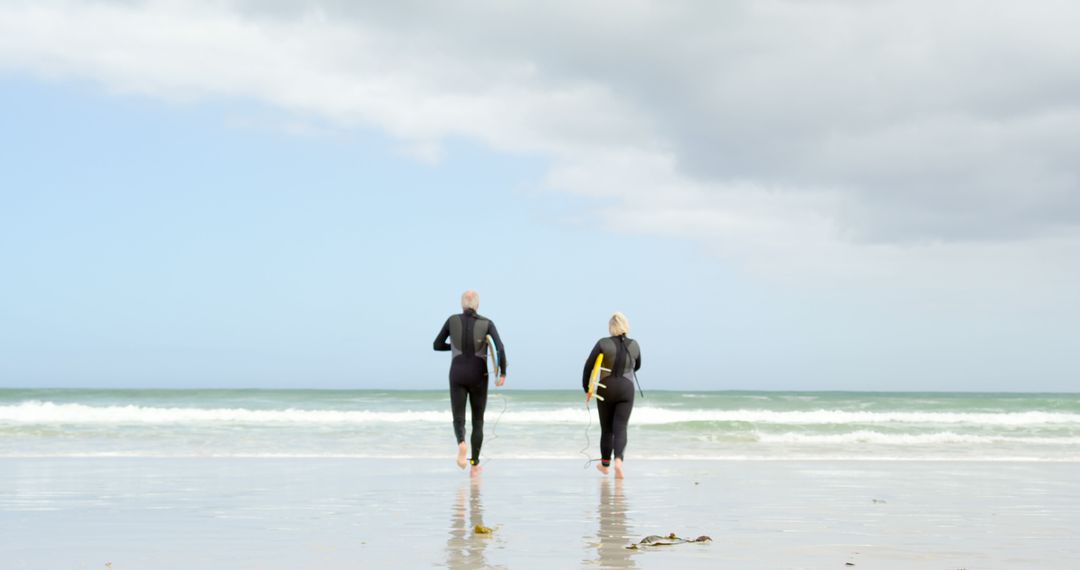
470 300
618 325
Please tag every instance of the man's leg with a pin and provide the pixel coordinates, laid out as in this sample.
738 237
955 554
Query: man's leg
458 395
478 402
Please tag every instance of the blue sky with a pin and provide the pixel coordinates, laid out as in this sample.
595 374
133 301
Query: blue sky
155 245
162 226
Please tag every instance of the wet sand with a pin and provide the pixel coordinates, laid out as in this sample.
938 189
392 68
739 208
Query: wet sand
364 513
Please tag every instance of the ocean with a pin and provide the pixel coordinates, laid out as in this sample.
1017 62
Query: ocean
540 425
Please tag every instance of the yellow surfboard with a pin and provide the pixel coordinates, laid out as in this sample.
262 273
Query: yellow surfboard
594 377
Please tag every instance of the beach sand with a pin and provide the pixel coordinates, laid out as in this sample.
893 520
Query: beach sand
148 513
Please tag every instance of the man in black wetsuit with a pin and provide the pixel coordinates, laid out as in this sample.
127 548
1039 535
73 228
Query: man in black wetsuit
468 334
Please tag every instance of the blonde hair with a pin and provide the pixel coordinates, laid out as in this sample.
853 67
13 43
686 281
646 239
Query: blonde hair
470 300
618 325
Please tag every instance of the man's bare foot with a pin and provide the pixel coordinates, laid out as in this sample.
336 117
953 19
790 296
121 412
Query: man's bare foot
475 471
462 450
618 469
602 468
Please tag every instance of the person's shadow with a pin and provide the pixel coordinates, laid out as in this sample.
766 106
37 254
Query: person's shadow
465 548
613 534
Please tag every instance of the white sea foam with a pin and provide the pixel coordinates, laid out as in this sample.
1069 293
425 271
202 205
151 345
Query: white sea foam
844 417
647 415
53 413
900 439
697 457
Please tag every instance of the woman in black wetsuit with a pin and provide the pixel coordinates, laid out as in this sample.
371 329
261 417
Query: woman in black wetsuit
622 356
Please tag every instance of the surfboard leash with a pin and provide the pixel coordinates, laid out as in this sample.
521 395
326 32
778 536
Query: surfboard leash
588 443
495 426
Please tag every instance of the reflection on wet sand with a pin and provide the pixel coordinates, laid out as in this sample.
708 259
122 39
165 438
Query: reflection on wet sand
613 534
465 548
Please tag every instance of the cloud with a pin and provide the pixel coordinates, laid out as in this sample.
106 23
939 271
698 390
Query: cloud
818 135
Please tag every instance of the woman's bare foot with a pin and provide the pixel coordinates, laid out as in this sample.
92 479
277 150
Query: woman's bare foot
475 471
462 450
618 469
602 468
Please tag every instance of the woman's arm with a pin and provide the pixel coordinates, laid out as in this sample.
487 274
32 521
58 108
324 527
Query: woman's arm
588 367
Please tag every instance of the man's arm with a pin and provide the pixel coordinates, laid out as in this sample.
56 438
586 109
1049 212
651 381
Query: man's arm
440 341
498 346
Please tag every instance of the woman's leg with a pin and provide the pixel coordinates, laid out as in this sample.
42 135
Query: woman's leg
620 421
606 410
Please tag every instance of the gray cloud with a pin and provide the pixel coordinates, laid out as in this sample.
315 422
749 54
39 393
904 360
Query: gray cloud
934 121
893 122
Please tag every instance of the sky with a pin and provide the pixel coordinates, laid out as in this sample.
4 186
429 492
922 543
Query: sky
780 195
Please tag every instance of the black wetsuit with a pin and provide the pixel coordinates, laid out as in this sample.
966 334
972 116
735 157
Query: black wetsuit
623 356
468 370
